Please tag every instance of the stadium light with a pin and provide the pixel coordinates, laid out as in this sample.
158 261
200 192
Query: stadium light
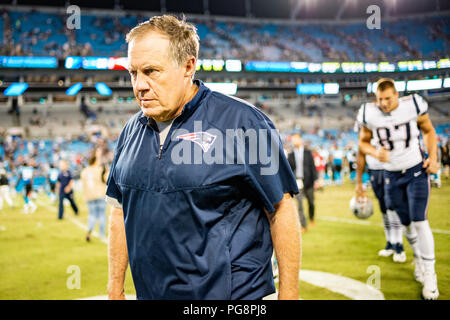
331 88
233 65
386 67
426 84
222 87
73 63
28 62
16 89
429 65
400 86
103 89
410 65
211 64
446 83
444 63
317 88
73 90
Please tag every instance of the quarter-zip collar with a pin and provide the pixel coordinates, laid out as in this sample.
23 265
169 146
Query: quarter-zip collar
187 109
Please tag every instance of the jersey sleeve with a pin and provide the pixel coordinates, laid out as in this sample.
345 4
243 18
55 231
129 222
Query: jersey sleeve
361 120
270 176
421 104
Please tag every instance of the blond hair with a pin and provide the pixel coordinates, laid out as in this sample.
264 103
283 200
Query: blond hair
183 37
386 83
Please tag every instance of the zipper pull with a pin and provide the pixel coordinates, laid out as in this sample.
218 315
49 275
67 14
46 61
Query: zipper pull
160 151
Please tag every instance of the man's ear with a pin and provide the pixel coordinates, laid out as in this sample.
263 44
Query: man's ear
190 66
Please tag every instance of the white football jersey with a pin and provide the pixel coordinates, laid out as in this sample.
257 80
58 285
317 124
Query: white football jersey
27 173
397 131
53 174
374 163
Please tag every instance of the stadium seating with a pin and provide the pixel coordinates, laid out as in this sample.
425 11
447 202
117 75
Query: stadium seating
103 35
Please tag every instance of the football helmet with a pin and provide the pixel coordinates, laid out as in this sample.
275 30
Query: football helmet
362 208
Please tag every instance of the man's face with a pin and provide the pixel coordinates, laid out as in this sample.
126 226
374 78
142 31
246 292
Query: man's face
63 165
297 141
159 85
387 99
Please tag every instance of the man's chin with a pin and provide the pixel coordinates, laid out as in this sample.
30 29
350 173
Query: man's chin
157 115
151 112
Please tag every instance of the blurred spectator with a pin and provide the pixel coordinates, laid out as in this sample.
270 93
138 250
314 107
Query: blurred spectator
65 188
445 158
5 194
93 179
302 163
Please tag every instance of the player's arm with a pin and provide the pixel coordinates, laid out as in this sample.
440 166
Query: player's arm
117 255
364 146
430 140
360 167
286 239
69 187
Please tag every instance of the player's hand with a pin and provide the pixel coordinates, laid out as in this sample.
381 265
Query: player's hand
382 155
431 165
66 189
360 192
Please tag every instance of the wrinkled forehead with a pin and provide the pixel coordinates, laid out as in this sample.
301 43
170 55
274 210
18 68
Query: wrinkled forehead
150 46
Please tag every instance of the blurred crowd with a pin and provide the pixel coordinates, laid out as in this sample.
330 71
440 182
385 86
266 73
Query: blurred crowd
103 34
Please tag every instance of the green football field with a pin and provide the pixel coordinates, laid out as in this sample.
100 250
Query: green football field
43 258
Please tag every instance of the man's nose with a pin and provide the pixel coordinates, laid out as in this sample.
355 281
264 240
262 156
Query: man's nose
141 83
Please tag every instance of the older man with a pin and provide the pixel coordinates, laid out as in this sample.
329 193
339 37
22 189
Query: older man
195 209
302 163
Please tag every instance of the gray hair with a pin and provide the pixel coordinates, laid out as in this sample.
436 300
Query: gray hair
184 40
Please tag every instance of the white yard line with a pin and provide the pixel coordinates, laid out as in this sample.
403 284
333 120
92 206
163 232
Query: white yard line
368 223
348 287
84 227
71 219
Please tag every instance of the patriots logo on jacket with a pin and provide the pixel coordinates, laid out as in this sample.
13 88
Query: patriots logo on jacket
203 139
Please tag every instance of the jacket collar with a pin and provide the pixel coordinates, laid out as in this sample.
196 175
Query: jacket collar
187 109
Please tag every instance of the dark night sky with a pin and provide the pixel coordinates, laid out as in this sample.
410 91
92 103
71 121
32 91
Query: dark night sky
312 9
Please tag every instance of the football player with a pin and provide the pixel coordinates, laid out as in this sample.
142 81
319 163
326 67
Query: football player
391 221
26 175
396 124
52 177
4 189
